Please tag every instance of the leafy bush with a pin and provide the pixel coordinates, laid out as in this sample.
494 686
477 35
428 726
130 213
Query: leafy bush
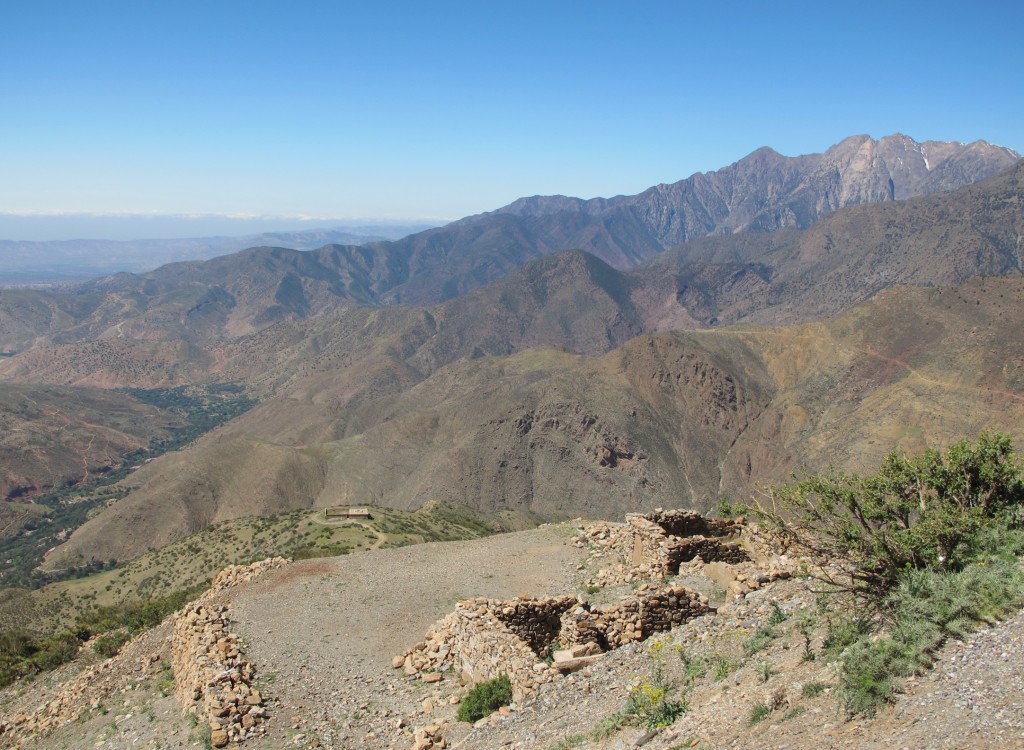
485 698
914 513
109 644
929 543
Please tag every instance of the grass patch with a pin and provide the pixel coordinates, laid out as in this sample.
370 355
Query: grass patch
758 713
607 727
569 742
760 640
814 689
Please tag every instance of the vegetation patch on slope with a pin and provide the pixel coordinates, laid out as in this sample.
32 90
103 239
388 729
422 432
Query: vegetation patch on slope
51 517
921 551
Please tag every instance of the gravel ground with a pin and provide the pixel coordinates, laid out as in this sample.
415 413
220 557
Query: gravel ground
322 634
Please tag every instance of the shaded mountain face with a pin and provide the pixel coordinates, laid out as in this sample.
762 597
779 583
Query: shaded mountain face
789 276
679 418
210 302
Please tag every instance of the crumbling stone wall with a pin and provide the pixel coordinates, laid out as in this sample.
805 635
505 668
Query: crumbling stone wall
476 643
485 638
209 667
654 610
684 523
536 621
654 545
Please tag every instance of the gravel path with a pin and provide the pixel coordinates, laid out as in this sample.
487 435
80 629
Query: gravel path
328 629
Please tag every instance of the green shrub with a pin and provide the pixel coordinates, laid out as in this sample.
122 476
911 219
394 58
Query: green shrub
765 670
55 651
927 608
758 713
109 644
694 667
721 666
778 615
485 698
814 689
607 727
914 513
649 704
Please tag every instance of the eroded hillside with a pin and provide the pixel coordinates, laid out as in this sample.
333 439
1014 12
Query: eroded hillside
676 418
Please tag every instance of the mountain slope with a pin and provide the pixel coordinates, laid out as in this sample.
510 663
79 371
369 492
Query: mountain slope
53 436
677 418
209 302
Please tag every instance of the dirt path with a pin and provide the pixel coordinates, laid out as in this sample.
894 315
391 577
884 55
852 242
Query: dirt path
326 630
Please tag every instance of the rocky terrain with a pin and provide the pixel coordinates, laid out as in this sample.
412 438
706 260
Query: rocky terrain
322 669
674 417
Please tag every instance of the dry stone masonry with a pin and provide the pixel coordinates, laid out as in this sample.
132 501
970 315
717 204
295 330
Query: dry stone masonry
534 641
655 609
207 663
211 676
485 638
653 546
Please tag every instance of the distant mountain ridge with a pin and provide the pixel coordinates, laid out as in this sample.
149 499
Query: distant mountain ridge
765 191
213 301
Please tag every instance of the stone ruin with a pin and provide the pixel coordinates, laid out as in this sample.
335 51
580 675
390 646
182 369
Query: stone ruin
212 677
536 641
654 545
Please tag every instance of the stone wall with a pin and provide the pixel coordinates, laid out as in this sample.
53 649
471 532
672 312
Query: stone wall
207 662
485 638
211 675
635 618
652 546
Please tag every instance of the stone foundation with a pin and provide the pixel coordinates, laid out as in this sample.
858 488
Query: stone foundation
654 545
486 638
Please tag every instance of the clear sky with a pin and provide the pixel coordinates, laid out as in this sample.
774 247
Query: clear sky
345 110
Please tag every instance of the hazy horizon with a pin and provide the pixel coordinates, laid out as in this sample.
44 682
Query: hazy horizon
134 227
450 109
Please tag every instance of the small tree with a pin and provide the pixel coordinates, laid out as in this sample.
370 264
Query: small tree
914 513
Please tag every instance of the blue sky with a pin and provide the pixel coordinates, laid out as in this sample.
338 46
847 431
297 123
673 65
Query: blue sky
338 110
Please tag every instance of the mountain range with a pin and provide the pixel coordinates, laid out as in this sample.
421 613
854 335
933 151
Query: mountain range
566 357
